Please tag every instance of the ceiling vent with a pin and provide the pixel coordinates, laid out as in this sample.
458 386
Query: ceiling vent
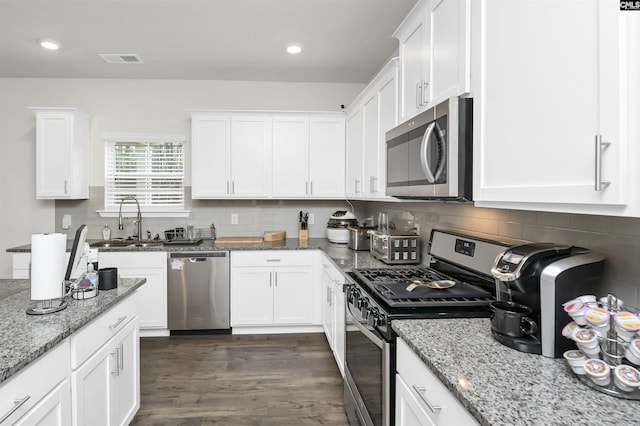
121 58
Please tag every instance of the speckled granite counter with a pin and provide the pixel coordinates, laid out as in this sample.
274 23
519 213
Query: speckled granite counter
501 386
343 257
23 338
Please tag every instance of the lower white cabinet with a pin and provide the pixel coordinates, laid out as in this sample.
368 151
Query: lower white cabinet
273 288
153 295
106 382
421 398
40 393
333 309
22 266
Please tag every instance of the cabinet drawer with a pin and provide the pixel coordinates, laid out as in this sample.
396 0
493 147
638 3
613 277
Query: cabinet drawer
34 382
137 260
273 258
445 408
92 336
331 270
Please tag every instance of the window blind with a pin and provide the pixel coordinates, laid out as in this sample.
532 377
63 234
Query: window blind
151 171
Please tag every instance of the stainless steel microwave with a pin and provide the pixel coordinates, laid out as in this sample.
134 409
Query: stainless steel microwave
430 156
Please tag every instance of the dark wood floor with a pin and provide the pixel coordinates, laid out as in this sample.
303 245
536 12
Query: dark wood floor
239 380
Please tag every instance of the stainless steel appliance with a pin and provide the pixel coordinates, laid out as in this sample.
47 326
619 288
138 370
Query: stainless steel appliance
532 283
395 249
337 225
359 238
430 155
378 296
198 291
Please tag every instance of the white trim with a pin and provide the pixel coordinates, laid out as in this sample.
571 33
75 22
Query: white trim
145 213
142 137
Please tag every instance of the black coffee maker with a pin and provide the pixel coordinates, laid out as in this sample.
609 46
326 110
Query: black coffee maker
532 282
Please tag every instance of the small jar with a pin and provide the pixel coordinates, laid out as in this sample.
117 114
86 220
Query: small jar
106 233
576 360
598 318
576 311
626 378
598 371
632 353
626 325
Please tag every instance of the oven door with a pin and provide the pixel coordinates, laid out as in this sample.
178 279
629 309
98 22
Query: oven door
367 371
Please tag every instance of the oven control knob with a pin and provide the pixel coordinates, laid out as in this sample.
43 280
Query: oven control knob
374 318
363 304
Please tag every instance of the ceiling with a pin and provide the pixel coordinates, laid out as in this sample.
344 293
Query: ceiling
343 41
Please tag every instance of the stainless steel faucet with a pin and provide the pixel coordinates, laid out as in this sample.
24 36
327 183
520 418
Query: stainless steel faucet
138 221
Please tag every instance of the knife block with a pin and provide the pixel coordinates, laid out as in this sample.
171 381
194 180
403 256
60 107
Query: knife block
303 234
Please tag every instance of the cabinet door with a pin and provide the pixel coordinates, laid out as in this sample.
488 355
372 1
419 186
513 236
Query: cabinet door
91 389
126 383
370 141
291 157
53 410
339 325
450 48
388 119
327 308
408 410
250 148
354 154
252 296
293 295
53 144
543 98
414 40
210 155
326 157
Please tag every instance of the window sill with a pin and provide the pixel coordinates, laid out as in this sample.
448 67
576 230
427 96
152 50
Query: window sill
145 213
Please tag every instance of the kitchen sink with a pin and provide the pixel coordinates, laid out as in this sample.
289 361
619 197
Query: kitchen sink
126 243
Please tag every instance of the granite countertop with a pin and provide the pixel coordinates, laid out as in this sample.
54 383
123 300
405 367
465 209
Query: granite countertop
23 338
342 256
501 386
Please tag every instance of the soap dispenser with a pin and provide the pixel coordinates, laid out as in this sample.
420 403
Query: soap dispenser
106 233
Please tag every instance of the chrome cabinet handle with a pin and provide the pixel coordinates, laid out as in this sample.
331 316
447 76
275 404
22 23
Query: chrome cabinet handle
421 393
121 358
600 185
233 187
115 368
270 279
17 403
356 186
117 323
311 188
328 298
228 188
424 93
373 182
66 186
417 95
306 188
275 274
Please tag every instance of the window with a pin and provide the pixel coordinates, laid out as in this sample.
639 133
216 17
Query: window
148 167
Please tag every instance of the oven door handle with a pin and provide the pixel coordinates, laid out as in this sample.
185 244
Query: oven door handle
379 342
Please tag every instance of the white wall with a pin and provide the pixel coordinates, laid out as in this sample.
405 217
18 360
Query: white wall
121 105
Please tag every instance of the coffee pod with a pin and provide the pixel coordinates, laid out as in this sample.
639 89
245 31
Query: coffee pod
576 360
586 299
570 329
626 378
598 318
626 325
587 342
576 311
598 371
632 353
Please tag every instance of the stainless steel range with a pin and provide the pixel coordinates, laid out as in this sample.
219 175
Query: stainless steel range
456 284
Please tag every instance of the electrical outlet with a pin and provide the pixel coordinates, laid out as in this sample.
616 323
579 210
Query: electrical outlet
312 218
66 221
234 218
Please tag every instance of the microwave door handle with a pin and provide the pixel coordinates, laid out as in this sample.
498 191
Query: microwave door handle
423 153
442 160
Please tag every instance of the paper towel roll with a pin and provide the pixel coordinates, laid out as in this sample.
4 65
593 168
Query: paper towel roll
48 265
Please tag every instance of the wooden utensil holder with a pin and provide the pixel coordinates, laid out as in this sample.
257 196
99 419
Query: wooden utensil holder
303 234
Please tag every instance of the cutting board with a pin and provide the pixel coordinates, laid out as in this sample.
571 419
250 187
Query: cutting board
239 240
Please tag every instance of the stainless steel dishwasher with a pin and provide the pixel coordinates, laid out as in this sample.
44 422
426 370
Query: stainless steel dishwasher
198 292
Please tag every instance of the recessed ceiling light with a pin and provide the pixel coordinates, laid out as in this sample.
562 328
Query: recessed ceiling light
47 43
294 49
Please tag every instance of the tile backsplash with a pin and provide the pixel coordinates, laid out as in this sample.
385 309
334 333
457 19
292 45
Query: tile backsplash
618 239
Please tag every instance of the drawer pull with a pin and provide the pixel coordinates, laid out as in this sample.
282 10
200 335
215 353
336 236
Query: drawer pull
435 409
273 260
117 323
17 403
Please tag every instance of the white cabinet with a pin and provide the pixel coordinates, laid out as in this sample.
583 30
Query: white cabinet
273 288
375 111
308 156
230 155
333 309
62 153
421 398
105 363
21 264
40 393
153 294
552 113
435 49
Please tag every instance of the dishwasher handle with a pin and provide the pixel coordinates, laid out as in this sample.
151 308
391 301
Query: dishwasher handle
198 256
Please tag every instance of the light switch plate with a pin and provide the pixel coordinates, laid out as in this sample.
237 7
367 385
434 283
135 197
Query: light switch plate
234 218
66 221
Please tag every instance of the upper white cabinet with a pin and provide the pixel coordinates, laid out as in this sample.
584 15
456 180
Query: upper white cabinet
553 108
370 116
62 153
308 156
267 155
230 155
434 47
